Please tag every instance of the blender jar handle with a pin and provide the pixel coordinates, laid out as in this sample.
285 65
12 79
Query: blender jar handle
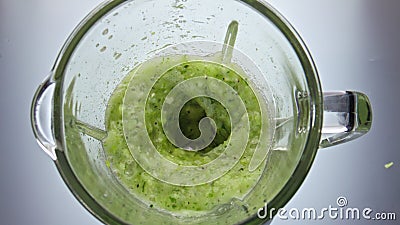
41 118
347 116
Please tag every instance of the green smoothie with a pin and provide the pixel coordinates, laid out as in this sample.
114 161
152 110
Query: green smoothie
179 199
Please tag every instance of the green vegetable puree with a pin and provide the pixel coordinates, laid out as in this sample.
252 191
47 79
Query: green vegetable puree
236 183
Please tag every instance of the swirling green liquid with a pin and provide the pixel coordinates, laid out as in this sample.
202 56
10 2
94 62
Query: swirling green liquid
236 183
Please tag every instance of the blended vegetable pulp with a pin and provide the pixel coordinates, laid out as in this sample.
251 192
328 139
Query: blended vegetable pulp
235 183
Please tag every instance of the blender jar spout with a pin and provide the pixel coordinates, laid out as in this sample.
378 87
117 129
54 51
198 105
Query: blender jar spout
41 118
